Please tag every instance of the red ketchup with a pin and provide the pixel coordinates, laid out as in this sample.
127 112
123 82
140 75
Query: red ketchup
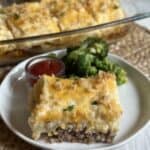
43 65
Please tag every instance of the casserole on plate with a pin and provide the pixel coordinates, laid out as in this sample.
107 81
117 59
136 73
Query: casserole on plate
83 110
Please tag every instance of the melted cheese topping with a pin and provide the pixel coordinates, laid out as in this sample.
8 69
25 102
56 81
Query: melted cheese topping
30 19
75 14
74 19
64 101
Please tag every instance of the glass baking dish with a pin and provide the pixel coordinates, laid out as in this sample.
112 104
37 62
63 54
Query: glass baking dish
27 46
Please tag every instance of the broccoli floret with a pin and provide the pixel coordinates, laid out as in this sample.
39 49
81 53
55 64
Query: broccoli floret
80 64
72 57
103 64
121 75
92 70
95 46
108 66
84 63
101 49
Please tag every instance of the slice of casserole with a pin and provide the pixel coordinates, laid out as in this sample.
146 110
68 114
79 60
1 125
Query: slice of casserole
104 10
75 19
30 19
70 14
73 14
82 110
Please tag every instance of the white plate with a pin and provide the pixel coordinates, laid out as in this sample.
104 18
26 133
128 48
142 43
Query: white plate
134 97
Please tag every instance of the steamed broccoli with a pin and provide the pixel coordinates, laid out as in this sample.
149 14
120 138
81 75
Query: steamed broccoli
80 59
79 63
121 75
89 58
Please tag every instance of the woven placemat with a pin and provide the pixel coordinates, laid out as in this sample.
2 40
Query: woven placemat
134 47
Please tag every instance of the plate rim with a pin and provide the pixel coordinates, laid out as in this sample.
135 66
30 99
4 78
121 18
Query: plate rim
42 145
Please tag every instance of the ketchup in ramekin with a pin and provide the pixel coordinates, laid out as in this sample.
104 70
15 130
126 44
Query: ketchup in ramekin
39 66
